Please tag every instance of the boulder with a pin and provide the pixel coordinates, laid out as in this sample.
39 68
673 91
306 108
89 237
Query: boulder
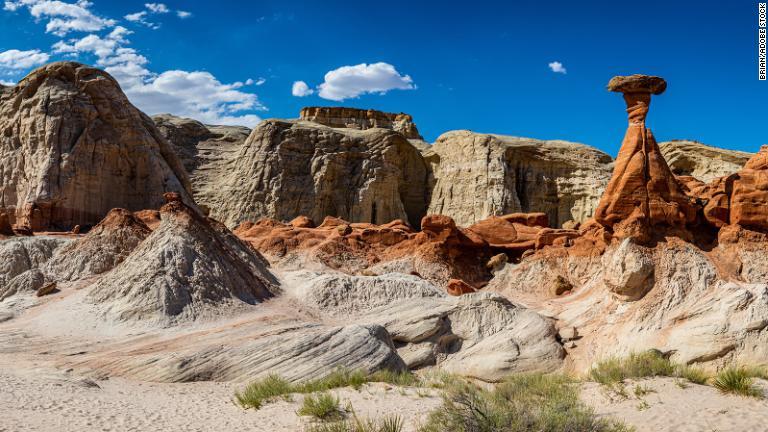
481 175
628 271
85 148
457 287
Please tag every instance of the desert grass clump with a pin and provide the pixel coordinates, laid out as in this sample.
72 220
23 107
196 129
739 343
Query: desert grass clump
737 380
263 391
356 424
524 402
692 374
270 388
324 406
650 363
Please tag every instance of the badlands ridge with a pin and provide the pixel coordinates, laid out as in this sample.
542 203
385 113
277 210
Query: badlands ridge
161 249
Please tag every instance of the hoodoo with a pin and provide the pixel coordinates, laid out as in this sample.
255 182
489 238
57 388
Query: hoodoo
642 192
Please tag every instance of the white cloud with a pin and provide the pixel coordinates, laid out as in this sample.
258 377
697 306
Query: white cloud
557 67
352 81
260 81
16 60
183 14
7 83
301 89
159 8
62 17
195 94
136 17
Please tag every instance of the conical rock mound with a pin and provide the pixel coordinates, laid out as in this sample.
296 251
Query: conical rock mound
73 147
103 248
642 192
184 270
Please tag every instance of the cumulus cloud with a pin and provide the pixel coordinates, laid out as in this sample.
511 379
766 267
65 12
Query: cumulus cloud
557 67
301 89
15 60
349 82
62 17
183 14
196 94
159 8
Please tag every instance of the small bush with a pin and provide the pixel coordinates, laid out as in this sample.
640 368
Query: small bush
356 424
525 402
693 374
737 380
324 406
268 389
262 391
637 365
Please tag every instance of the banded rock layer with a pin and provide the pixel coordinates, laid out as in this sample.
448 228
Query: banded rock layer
72 147
705 163
481 175
291 168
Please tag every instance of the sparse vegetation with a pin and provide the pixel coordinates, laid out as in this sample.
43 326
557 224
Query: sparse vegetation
737 380
641 390
268 389
324 406
356 424
637 365
693 374
525 402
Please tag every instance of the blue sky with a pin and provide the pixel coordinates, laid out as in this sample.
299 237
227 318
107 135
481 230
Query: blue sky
483 66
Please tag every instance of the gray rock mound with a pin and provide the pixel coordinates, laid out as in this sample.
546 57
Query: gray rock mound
188 268
20 259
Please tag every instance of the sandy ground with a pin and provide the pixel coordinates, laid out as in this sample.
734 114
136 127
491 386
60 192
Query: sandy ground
46 400
37 398
669 408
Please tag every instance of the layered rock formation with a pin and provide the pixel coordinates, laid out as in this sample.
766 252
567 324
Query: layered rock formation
73 147
186 269
703 162
642 192
291 168
354 118
482 175
206 151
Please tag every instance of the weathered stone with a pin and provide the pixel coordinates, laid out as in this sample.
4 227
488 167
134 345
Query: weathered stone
46 289
481 175
628 271
642 192
86 150
302 168
354 118
705 163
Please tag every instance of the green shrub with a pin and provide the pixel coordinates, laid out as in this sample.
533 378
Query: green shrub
737 380
693 374
262 391
268 389
356 424
637 365
525 402
324 406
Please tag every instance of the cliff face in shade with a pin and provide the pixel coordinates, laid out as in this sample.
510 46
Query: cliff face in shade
72 147
361 119
291 168
706 163
480 175
207 152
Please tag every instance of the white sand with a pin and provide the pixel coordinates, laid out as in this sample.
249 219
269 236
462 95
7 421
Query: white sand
669 408
45 400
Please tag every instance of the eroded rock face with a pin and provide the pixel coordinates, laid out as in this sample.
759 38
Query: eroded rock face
354 118
302 168
703 162
480 175
186 269
206 151
20 259
86 150
642 192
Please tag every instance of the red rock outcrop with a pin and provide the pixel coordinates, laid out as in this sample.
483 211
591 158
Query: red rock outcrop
642 192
